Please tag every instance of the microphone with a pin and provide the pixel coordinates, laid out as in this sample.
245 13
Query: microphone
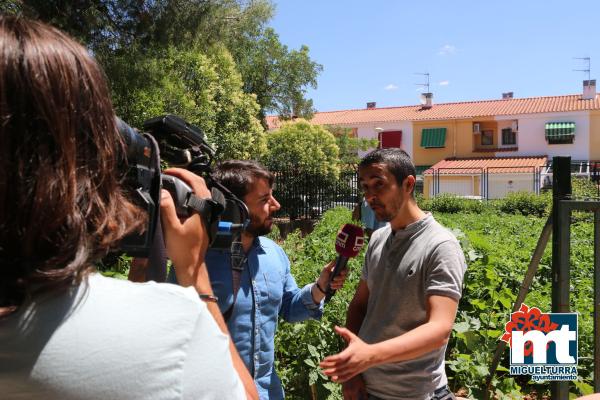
350 239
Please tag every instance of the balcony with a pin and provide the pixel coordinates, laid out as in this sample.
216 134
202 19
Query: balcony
495 136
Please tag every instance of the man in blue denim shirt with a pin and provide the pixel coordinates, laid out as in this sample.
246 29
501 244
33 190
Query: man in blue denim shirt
267 288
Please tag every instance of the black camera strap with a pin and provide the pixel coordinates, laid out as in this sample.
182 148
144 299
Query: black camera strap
238 258
157 259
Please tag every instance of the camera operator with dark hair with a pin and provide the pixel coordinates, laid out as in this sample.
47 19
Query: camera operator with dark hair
266 290
67 332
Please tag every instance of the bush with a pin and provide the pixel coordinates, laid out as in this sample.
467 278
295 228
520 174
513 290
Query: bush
526 203
583 187
449 203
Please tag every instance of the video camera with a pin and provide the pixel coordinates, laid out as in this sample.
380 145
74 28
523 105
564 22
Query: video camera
181 145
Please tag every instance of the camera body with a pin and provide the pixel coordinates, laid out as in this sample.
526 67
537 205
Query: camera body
181 145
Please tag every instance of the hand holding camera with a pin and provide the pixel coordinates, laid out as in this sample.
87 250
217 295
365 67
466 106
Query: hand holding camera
186 240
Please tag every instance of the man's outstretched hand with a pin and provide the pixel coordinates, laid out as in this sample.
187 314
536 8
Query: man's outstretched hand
355 358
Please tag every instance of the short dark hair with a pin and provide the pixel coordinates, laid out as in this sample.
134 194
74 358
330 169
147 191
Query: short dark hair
397 161
239 175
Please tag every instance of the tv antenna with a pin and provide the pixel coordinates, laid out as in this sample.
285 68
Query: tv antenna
423 84
588 61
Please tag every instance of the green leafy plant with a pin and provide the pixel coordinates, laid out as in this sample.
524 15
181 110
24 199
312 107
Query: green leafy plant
526 203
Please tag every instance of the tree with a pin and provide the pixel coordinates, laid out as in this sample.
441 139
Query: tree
112 25
204 89
139 29
349 145
278 76
305 146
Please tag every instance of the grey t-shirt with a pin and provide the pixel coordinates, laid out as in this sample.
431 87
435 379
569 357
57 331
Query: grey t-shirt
401 271
113 339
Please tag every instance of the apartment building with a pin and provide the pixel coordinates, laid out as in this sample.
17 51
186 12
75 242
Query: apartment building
456 146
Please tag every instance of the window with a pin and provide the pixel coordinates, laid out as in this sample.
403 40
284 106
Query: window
433 137
509 136
487 138
560 132
390 139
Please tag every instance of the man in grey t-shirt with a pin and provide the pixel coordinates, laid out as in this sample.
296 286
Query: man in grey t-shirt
401 316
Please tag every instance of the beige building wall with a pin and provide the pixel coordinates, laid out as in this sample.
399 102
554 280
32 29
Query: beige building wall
447 182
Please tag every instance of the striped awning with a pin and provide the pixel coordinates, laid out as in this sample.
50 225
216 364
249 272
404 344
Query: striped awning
560 130
433 137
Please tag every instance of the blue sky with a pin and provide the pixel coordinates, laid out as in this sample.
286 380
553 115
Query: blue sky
474 50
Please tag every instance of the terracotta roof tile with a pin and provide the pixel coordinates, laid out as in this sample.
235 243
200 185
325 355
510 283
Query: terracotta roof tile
503 165
469 109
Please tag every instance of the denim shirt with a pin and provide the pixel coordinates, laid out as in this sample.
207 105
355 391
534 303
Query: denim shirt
267 290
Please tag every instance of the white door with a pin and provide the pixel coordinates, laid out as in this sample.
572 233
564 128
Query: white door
459 187
499 185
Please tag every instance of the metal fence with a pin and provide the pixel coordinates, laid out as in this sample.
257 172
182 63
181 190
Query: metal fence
497 182
305 195
309 194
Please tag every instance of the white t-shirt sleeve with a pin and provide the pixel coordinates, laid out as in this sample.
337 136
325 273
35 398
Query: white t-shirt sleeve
208 371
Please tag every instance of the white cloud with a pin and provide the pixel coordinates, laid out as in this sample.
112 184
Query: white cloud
391 86
444 83
446 50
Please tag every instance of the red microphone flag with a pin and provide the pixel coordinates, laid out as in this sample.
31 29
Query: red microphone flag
350 239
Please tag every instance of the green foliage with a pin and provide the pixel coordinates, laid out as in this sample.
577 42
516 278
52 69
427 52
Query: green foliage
349 144
498 248
309 148
115 266
526 203
205 89
135 30
277 75
300 347
583 187
449 203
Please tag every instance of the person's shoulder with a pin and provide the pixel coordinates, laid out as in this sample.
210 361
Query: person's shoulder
439 233
269 244
146 294
380 234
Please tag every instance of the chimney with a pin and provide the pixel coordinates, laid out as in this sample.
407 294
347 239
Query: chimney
589 90
371 105
507 95
426 100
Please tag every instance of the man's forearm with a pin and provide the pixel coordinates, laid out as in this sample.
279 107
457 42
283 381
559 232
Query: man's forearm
203 286
355 316
421 340
412 344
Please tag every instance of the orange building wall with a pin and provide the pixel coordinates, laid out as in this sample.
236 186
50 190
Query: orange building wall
423 156
460 140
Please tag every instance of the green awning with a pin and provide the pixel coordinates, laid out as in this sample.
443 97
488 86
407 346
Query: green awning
560 130
433 137
419 169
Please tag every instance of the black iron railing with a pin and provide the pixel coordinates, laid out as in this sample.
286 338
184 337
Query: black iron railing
305 194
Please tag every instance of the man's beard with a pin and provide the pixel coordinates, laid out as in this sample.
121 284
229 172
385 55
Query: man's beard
259 228
381 214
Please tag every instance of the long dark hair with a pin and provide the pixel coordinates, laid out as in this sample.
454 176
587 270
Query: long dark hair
61 204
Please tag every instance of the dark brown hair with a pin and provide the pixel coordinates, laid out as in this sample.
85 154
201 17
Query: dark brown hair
239 175
398 162
61 204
